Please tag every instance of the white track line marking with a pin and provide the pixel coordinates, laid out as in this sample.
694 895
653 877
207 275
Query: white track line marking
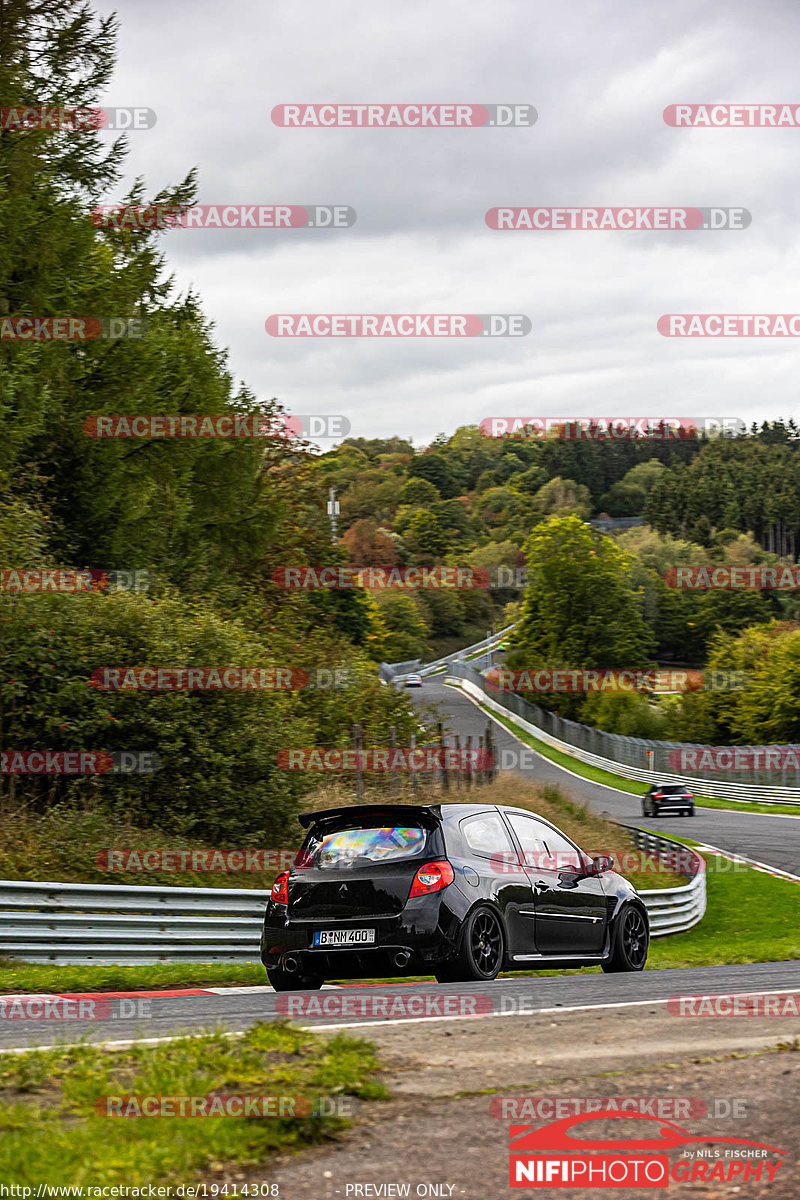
752 862
560 1008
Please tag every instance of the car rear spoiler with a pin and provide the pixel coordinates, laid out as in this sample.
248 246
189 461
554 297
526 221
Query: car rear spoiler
403 811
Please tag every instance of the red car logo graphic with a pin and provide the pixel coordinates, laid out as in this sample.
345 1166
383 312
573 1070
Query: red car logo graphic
556 1136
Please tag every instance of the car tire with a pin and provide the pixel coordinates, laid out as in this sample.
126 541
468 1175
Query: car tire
293 981
481 949
691 812
629 942
644 810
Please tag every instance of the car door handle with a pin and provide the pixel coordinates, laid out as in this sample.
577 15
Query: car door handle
540 886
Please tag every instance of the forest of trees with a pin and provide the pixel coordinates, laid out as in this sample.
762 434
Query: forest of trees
475 500
210 519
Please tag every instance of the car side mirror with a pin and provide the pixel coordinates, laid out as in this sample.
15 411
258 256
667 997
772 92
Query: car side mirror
601 864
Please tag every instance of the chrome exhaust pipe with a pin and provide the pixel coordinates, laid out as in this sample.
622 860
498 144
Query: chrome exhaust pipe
402 957
291 964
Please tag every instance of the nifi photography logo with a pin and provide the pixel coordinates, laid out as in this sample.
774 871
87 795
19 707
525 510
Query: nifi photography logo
552 1156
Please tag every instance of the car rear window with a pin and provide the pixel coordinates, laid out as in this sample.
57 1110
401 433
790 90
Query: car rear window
353 847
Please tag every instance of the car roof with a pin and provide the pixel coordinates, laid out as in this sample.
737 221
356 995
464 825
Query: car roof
443 814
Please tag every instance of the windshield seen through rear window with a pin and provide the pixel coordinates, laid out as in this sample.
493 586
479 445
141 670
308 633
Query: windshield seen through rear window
359 847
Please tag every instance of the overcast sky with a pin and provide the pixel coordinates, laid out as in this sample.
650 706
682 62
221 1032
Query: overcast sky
599 75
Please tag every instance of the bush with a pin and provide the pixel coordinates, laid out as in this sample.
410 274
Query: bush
219 777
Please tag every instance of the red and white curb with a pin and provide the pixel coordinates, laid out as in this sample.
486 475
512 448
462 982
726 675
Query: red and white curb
765 868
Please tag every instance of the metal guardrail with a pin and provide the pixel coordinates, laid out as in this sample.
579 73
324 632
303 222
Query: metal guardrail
62 923
398 671
532 719
677 909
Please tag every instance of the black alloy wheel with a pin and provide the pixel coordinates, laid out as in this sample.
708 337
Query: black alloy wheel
486 944
481 950
634 938
630 942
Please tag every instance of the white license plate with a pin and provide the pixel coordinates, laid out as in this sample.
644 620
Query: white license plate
344 937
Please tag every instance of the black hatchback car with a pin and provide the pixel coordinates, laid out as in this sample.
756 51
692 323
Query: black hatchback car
459 891
668 798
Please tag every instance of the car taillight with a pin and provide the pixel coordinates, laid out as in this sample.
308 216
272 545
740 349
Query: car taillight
689 795
432 878
658 795
279 892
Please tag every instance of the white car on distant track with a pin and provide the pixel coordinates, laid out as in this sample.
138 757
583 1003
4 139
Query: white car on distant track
413 681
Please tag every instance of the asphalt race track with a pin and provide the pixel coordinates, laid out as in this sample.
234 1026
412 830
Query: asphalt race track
771 840
236 1009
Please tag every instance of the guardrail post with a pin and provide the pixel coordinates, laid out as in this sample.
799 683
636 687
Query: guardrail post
395 782
445 780
359 776
412 742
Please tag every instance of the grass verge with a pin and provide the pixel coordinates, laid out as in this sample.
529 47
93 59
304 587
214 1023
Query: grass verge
751 917
22 977
52 1132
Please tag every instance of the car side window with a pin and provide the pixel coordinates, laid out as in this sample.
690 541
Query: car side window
541 845
486 835
562 850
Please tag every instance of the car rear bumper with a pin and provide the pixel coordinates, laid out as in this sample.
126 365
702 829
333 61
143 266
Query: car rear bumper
425 932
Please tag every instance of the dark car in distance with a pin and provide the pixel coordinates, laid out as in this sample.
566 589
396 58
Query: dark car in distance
668 798
458 891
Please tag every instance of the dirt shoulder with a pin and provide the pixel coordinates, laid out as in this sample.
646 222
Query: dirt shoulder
439 1137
